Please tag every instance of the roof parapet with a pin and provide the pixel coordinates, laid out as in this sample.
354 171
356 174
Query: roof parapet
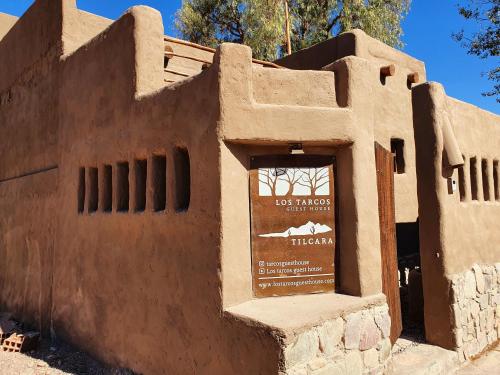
184 59
36 35
351 43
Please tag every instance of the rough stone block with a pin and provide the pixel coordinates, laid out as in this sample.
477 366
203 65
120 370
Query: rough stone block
317 363
465 315
353 363
471 349
383 309
461 355
353 330
330 369
492 336
370 358
457 314
330 335
497 270
474 309
482 320
470 285
383 321
299 370
483 301
376 371
490 320
459 337
457 288
384 348
488 282
370 335
303 349
492 294
482 341
478 273
470 328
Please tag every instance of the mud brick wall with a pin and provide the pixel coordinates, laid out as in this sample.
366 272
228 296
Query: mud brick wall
476 309
353 344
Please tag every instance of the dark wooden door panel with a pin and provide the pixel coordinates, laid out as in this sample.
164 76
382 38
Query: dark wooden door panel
387 218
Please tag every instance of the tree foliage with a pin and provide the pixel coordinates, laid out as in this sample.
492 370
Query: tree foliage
261 23
485 42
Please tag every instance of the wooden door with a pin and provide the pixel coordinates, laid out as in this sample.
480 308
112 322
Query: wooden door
384 160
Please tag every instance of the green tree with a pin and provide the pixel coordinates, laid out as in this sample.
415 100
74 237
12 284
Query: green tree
485 42
261 23
316 21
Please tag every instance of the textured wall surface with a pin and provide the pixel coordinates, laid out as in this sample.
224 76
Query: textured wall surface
81 98
456 230
353 344
476 309
390 120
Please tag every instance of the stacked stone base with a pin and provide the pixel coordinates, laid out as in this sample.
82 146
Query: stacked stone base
476 309
357 343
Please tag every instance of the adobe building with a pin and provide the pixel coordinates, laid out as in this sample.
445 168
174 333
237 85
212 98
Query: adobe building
175 209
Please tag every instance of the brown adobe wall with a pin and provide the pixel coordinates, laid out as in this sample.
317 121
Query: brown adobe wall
155 291
28 167
6 23
456 231
80 26
185 59
29 81
310 88
392 98
31 30
351 43
106 264
28 84
27 244
250 128
136 281
142 290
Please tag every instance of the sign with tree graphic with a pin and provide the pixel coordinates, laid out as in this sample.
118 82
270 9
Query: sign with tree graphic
293 224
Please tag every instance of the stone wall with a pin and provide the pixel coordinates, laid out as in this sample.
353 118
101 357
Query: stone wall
476 309
357 343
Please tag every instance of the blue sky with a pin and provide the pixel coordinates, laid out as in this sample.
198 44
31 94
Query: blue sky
427 29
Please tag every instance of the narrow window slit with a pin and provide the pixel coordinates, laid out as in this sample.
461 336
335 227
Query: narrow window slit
182 179
397 149
496 172
141 168
486 181
81 190
94 190
122 187
159 182
473 178
461 180
107 193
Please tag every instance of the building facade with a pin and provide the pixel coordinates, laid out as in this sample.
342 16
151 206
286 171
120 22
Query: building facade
128 225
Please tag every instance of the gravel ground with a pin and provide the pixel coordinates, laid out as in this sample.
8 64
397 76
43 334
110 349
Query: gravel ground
53 360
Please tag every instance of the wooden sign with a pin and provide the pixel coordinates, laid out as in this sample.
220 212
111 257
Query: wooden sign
293 224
